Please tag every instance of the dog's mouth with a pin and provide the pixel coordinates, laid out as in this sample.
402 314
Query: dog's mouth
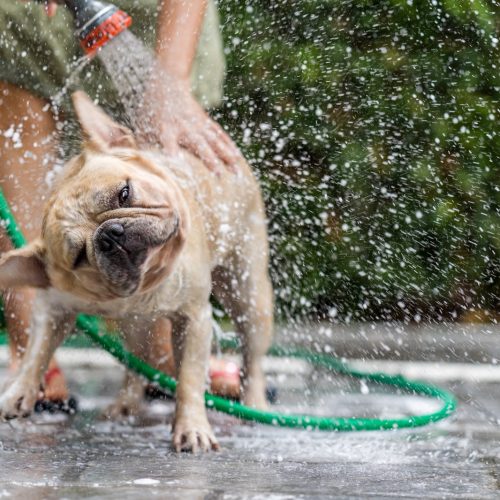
122 246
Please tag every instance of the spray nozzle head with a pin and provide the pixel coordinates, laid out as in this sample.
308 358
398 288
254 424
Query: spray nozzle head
97 22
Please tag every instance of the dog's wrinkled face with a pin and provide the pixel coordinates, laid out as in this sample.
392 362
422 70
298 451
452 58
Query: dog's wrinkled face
112 228
114 224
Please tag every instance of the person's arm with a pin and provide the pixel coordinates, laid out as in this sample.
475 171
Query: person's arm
178 120
178 31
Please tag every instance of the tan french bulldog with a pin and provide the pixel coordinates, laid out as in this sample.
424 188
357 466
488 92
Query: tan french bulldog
131 235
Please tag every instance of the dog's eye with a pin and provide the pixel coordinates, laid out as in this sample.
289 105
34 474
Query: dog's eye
80 258
124 195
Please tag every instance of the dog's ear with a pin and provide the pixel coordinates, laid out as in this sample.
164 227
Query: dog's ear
99 130
24 267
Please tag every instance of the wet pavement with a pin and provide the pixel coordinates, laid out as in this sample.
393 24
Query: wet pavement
85 457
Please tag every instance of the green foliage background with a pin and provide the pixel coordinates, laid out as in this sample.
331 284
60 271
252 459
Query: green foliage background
374 128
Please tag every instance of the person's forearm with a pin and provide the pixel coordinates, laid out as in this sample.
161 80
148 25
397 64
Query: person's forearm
179 27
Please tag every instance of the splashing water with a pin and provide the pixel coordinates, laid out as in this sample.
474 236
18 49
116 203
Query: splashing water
376 158
129 63
72 81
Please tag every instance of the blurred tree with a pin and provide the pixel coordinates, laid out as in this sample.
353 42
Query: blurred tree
373 126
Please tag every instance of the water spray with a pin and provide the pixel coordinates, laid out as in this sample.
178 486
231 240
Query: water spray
96 22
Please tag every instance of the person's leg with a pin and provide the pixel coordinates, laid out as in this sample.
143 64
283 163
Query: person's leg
27 130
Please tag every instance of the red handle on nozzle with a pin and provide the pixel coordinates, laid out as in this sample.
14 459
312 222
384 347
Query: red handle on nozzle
105 31
96 22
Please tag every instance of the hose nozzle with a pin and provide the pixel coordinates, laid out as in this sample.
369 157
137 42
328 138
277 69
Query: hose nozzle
97 22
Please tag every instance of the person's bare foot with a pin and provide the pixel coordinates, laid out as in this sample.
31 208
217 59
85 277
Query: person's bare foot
55 388
224 378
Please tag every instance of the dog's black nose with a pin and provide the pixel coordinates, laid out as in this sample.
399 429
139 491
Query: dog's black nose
105 243
111 236
115 230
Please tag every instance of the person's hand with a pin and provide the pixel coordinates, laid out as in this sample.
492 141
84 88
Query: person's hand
176 120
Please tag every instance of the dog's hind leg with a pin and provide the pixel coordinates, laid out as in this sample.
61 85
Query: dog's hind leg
245 291
129 400
244 288
161 354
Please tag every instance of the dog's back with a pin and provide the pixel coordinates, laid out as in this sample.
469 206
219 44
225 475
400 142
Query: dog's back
230 206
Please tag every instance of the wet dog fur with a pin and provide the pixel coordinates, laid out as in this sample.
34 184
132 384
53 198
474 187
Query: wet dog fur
133 236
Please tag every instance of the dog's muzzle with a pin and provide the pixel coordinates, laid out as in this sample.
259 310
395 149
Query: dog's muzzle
121 248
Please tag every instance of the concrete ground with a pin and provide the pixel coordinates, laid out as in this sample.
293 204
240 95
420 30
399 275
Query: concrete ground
84 457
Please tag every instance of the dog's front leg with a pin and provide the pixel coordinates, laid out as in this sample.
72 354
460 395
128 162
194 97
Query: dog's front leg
192 336
48 329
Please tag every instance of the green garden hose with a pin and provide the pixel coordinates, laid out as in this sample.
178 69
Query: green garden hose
91 326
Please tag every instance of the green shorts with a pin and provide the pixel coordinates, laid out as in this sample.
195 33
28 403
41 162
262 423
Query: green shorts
38 53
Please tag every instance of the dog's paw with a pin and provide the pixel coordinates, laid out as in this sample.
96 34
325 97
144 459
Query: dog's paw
256 402
254 396
18 399
193 435
122 408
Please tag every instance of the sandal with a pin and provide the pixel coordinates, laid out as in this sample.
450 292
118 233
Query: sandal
59 405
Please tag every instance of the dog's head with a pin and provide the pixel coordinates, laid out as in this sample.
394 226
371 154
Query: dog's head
114 224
